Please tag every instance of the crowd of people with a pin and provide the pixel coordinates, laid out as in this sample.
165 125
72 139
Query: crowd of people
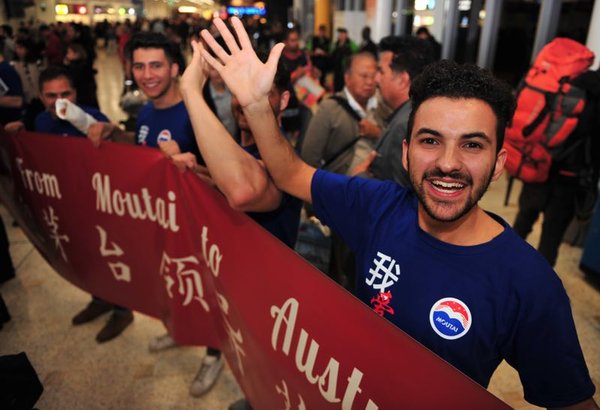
393 156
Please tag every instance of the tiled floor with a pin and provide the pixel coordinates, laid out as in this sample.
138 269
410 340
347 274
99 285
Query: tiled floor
77 373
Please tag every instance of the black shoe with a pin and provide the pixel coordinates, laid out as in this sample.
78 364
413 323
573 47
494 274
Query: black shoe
118 321
241 404
93 310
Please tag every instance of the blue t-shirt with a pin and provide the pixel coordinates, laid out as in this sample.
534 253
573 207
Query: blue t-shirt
44 122
283 221
10 86
173 123
472 305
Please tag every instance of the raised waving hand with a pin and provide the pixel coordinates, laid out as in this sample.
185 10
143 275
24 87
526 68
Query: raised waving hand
196 72
248 78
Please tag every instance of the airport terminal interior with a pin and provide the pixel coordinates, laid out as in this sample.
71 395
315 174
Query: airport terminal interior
78 373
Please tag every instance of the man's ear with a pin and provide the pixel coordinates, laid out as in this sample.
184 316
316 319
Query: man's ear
499 166
405 78
405 154
284 100
174 70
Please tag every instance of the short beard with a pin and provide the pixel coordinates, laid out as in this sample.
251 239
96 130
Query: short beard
471 200
163 92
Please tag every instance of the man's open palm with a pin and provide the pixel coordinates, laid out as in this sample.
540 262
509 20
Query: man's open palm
248 78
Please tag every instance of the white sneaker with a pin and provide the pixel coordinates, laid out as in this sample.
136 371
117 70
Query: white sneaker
160 343
207 375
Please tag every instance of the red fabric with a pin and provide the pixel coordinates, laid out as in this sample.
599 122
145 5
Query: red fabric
215 278
547 108
527 162
562 57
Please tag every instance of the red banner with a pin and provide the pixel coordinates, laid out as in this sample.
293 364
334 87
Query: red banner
122 223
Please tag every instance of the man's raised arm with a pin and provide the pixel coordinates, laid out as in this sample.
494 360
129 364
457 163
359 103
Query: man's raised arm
239 176
250 81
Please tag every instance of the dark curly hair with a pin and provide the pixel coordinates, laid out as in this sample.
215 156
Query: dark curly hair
452 80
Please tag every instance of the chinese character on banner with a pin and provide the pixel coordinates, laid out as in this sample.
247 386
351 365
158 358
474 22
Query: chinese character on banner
120 271
189 282
52 221
235 336
283 390
381 303
386 272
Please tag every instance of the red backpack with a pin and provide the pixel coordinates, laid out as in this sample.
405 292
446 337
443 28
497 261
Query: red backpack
547 111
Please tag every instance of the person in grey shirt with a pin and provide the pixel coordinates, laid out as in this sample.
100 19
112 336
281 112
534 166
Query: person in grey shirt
401 59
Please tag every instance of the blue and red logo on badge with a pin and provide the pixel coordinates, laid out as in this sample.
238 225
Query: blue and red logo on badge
450 318
164 135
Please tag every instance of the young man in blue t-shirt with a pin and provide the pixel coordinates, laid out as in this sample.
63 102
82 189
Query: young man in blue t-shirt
55 83
238 173
163 121
453 276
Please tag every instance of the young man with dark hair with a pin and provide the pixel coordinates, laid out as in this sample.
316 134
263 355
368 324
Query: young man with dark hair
164 120
431 260
236 170
55 83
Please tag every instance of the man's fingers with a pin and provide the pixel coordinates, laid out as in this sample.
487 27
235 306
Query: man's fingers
203 63
214 46
213 62
274 57
241 33
197 57
227 36
196 49
180 165
184 161
95 139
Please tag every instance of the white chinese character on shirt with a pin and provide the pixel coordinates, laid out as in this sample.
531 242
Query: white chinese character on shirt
386 272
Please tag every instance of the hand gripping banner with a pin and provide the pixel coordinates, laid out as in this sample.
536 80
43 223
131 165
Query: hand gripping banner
122 223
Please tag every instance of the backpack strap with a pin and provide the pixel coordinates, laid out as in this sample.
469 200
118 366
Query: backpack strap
545 111
346 106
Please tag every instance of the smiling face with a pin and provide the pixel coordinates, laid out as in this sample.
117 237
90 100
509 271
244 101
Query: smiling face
451 157
154 74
